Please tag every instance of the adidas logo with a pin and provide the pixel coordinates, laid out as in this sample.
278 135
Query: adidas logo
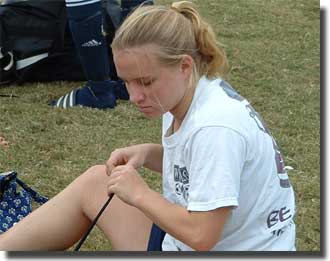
91 43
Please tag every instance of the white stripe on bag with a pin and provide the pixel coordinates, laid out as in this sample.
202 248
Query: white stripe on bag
82 3
27 61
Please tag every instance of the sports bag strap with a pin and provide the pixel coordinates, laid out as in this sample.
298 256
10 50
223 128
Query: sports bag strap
34 194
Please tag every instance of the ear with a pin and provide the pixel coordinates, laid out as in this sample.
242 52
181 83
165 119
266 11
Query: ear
187 64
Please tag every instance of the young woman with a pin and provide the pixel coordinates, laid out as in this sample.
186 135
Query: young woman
224 183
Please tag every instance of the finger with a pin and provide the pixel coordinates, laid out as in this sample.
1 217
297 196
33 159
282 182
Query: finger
119 168
113 180
111 189
108 169
113 185
110 165
116 173
126 167
130 167
116 159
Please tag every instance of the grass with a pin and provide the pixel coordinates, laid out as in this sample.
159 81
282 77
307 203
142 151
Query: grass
274 51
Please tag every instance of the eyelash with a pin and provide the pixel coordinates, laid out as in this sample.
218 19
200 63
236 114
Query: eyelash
141 83
148 83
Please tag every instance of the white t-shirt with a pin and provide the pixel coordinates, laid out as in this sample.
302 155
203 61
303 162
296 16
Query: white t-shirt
223 155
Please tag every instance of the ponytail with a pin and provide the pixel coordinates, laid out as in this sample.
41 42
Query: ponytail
213 60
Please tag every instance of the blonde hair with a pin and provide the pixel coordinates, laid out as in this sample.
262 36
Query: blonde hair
177 30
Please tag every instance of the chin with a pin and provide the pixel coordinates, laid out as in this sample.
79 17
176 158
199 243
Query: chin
153 115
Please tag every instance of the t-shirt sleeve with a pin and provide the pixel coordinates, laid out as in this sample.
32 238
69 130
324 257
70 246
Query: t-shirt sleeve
216 157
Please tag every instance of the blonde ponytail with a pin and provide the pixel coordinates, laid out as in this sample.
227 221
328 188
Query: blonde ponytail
178 30
213 58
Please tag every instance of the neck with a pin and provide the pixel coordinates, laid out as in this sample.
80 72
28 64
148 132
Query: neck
179 112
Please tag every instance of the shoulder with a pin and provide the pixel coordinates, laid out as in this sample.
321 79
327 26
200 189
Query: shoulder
218 104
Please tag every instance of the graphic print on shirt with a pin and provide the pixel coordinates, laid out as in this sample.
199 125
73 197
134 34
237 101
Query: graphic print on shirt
181 180
281 172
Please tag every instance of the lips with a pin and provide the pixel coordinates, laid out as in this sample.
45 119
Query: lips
144 108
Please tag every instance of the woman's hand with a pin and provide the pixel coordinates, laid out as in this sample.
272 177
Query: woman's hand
133 156
127 184
149 155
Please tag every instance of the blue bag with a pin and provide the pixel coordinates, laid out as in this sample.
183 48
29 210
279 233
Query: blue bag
15 204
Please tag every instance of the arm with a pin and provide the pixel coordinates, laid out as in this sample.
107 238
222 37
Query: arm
154 157
215 159
199 230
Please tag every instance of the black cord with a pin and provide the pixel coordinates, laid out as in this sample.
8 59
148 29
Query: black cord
93 223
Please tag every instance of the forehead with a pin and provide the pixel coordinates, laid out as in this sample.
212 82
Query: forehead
135 62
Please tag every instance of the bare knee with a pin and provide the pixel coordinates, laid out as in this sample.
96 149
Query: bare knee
126 226
91 187
94 176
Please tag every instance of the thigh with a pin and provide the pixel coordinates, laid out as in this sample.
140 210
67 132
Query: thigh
126 227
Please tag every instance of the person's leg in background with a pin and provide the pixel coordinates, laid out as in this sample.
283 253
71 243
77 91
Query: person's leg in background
85 21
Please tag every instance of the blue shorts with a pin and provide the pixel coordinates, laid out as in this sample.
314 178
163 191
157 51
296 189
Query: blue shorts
156 238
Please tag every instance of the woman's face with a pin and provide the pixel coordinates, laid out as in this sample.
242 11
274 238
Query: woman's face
152 87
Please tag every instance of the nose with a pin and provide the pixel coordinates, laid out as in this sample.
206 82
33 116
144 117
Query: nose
136 93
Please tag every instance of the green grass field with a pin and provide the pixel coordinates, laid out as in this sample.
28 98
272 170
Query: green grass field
274 52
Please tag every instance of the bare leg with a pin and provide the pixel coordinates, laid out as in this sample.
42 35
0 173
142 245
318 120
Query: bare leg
61 222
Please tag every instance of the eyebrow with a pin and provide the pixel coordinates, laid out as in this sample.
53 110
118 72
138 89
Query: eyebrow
138 78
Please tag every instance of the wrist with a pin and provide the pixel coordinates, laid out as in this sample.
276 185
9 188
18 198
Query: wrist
142 198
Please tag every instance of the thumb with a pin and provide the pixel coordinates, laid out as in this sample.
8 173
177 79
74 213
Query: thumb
116 158
109 166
